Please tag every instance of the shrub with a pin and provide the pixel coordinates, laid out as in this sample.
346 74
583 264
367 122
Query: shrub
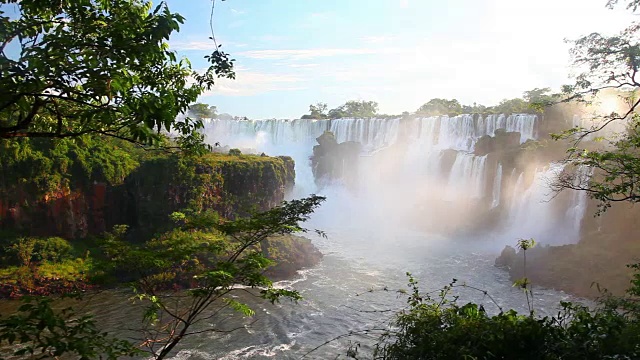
235 152
52 249
440 328
23 250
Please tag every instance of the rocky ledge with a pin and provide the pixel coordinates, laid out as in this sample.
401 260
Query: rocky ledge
291 253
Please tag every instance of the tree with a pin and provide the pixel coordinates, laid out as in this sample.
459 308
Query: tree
317 111
608 170
47 333
210 257
70 68
511 106
355 109
437 107
337 113
203 111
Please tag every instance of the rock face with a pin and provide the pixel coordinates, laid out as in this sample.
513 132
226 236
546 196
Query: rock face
290 254
609 243
502 141
333 161
228 184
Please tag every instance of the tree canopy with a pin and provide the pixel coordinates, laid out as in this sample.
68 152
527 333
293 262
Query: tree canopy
437 106
317 111
70 68
203 111
609 169
355 109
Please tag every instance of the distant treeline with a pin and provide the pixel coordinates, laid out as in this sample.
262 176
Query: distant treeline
531 101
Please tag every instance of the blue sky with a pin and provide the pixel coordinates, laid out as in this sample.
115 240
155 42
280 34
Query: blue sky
400 53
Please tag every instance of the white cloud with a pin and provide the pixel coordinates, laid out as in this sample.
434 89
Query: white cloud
302 66
202 45
300 54
249 82
379 39
193 45
509 47
237 12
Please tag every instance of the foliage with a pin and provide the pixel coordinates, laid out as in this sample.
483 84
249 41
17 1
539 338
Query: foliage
43 166
539 98
43 333
210 257
511 106
317 111
354 109
532 100
26 250
70 68
609 171
23 250
225 183
203 111
202 253
441 328
235 152
437 107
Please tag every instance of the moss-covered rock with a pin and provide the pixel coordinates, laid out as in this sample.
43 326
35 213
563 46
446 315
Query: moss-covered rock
230 184
290 254
77 188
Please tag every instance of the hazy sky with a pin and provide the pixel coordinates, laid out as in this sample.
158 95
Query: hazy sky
400 53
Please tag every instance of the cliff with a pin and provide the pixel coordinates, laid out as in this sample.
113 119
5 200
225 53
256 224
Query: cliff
599 261
74 189
231 185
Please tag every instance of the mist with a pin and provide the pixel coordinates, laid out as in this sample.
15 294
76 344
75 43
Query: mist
431 175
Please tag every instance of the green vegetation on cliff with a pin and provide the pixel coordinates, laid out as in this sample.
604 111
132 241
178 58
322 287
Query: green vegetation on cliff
79 188
32 167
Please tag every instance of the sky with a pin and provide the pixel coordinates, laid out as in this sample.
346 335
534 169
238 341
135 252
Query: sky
401 53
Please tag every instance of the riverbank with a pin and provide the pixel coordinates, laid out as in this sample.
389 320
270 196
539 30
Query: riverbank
289 253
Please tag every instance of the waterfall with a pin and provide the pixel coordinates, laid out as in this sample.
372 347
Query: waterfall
576 211
497 187
467 177
422 164
533 215
461 132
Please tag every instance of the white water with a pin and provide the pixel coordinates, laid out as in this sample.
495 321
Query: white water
426 164
497 187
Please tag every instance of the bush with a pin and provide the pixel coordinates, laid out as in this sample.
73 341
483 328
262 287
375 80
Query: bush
52 249
235 152
26 251
440 328
23 250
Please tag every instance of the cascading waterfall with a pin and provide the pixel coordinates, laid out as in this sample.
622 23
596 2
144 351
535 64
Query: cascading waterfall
533 214
462 131
467 177
497 187
419 161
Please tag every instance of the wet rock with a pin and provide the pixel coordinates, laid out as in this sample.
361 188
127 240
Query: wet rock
335 161
507 257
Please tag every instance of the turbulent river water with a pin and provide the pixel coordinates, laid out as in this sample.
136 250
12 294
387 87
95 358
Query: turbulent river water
369 245
337 298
